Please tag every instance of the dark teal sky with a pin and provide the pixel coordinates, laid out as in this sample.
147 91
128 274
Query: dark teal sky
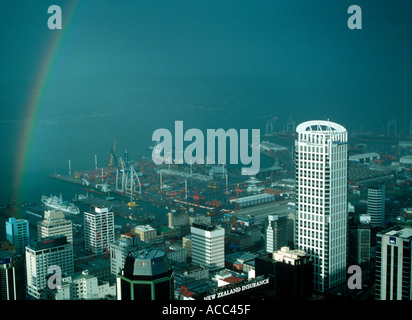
127 68
308 56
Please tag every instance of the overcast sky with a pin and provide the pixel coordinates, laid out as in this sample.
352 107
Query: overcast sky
125 68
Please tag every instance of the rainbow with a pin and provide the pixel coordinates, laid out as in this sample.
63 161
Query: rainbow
34 103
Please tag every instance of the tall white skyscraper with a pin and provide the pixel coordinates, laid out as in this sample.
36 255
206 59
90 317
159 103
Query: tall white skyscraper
98 230
321 199
208 246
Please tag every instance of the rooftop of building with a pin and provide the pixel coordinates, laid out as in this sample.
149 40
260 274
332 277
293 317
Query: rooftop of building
98 210
51 215
240 257
204 227
364 155
404 233
320 126
48 242
232 279
144 228
253 197
148 262
286 254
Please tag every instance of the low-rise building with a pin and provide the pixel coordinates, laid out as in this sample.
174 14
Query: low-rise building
146 233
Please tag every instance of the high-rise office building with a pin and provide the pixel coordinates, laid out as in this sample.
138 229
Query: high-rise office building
208 246
376 205
276 232
359 244
54 224
321 199
7 275
146 276
393 278
12 273
98 230
17 232
51 256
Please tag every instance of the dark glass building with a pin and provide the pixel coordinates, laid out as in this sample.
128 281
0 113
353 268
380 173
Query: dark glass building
146 276
292 273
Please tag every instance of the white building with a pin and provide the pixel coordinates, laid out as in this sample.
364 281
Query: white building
208 246
321 199
98 230
146 233
55 224
293 257
376 205
45 257
364 158
393 265
83 286
276 232
119 251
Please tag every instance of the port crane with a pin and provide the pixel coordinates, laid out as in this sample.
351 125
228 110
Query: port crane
127 179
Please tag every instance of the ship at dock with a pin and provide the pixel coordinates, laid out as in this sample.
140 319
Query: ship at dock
57 203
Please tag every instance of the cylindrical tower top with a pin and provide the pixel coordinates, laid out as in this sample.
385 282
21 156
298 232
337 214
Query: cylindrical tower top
320 126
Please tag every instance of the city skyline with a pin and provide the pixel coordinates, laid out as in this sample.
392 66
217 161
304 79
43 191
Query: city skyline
319 211
222 151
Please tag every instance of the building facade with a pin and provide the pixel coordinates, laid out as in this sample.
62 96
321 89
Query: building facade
83 286
393 265
208 246
54 224
360 245
46 257
376 205
146 233
8 275
120 250
17 232
98 230
321 199
276 232
292 273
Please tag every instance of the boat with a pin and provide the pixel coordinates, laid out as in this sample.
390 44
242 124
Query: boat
104 187
57 203
81 197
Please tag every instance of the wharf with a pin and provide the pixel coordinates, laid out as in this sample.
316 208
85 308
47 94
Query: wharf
66 179
152 199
